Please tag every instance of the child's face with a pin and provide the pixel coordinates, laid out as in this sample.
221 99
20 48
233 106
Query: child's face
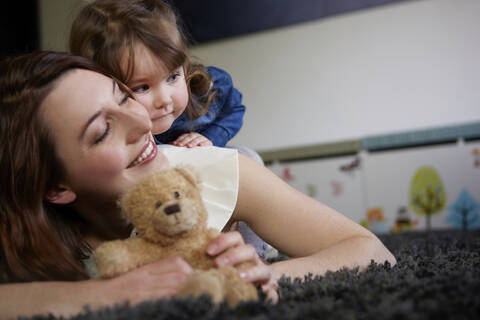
163 93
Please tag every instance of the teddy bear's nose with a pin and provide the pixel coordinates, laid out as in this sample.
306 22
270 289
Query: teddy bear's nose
174 208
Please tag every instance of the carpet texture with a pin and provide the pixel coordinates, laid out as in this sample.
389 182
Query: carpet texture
436 277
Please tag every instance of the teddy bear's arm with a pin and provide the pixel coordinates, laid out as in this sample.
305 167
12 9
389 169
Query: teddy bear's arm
120 256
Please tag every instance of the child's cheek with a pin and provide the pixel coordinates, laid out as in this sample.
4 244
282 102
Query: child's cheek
146 102
182 99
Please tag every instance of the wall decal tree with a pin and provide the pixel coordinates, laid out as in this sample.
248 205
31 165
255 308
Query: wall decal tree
427 193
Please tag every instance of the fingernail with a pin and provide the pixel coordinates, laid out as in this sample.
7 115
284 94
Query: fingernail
243 275
212 249
221 262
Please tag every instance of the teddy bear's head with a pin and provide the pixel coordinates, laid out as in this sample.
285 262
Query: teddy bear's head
165 205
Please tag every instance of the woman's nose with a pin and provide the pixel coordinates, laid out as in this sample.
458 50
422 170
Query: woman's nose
137 122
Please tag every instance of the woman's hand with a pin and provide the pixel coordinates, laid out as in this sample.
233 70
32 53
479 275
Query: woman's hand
67 298
229 249
157 280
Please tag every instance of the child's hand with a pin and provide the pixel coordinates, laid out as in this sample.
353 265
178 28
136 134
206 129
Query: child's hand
192 139
230 250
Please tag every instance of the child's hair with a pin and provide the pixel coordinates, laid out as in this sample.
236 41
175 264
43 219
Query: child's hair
106 31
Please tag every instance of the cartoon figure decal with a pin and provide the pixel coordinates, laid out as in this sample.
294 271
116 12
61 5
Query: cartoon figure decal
375 220
476 158
337 188
287 175
403 221
351 167
312 190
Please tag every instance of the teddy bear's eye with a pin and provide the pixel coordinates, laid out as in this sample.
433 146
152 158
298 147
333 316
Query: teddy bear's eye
158 204
176 195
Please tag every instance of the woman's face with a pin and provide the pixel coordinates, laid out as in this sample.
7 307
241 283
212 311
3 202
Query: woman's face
102 136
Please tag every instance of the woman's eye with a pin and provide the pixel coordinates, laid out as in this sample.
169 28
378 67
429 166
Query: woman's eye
124 99
141 88
104 134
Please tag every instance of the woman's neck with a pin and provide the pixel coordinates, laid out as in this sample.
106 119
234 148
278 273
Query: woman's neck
103 224
96 237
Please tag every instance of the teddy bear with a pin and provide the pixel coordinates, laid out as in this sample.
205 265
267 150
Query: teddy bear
170 219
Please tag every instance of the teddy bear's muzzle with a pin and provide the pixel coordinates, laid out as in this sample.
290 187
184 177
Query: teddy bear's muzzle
174 208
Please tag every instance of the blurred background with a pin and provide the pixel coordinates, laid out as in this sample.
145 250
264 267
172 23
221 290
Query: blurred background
369 106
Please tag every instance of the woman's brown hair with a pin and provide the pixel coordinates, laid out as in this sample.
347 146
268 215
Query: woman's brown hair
38 241
106 31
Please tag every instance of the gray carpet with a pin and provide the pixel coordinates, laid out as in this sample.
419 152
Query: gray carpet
436 277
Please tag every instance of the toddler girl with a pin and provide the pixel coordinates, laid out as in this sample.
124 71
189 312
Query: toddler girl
141 44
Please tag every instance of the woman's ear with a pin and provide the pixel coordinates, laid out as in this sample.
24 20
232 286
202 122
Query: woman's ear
61 195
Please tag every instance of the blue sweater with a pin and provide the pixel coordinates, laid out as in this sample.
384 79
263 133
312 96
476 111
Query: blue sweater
223 119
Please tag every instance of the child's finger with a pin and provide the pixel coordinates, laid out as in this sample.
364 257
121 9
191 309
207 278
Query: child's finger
205 143
195 141
182 140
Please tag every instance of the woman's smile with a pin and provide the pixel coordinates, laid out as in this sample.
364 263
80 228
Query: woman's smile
148 153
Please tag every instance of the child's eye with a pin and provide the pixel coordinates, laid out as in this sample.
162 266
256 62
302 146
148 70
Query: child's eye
140 89
173 77
104 134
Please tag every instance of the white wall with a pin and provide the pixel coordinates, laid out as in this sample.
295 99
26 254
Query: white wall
406 66
56 17
410 65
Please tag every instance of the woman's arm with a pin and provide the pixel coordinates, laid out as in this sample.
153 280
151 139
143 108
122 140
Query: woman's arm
153 281
316 237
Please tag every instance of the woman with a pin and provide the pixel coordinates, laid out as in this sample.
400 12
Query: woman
71 142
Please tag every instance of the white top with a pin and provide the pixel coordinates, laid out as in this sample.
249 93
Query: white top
218 172
217 169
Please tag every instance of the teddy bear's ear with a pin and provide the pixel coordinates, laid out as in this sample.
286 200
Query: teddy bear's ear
188 173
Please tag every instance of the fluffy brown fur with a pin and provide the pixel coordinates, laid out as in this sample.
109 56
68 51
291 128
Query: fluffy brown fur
167 211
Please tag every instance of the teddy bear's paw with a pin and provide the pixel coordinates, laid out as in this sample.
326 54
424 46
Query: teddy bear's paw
112 260
237 289
202 282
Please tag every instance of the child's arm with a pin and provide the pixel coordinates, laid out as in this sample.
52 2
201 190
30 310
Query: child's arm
228 108
223 119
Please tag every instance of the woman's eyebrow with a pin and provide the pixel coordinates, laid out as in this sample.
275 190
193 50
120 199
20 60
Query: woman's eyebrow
96 115
90 120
